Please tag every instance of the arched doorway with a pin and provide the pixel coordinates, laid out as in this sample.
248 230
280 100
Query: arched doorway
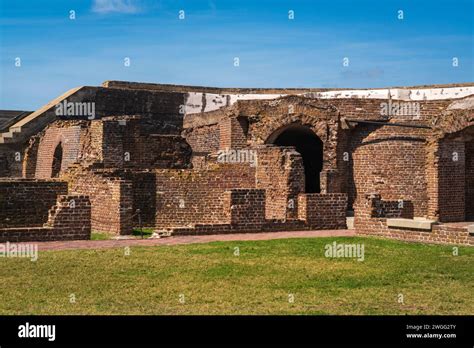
57 161
310 147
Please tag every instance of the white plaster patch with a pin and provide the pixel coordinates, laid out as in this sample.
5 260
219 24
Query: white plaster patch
400 93
467 103
194 100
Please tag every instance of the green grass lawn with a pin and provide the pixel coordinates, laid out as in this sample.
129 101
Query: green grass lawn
210 279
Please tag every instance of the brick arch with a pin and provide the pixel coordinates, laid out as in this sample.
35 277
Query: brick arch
267 116
263 129
52 137
275 116
271 117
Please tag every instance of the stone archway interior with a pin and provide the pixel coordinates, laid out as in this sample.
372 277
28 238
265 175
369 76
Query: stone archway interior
57 161
310 147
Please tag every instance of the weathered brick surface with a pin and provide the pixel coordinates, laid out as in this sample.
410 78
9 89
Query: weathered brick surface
203 139
323 210
137 155
233 133
11 157
245 207
469 197
69 219
109 142
25 202
186 197
66 137
452 180
111 198
371 219
280 172
390 161
71 216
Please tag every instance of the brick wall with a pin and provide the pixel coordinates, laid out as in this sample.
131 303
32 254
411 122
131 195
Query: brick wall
186 197
469 148
11 157
233 133
452 181
125 146
392 162
68 137
163 110
371 220
245 207
31 156
323 211
25 202
203 139
69 219
144 197
370 215
280 172
111 199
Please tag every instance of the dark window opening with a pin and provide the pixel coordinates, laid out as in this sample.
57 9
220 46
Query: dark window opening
57 161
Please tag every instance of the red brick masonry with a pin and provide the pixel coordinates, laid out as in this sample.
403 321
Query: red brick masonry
69 219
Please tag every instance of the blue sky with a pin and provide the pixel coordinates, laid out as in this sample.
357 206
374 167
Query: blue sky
58 53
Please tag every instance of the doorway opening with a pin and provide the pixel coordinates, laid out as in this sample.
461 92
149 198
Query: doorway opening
57 161
310 147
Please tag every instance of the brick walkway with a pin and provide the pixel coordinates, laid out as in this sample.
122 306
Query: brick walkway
99 244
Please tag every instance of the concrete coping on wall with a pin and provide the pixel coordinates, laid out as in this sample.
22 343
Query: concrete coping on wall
470 229
417 223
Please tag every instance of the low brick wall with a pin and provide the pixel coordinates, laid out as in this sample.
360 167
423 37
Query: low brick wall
188 197
245 206
69 219
268 226
26 202
323 210
111 198
371 220
440 234
245 212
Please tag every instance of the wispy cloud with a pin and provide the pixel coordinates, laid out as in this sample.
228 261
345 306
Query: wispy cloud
115 6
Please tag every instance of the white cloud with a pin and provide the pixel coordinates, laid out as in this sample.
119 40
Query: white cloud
115 6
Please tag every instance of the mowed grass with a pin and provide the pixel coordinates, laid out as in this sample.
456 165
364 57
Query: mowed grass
263 279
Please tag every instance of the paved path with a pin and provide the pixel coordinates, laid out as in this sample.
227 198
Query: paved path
99 244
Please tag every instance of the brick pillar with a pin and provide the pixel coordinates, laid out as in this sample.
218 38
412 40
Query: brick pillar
232 133
330 181
432 163
451 181
469 180
125 192
280 172
30 157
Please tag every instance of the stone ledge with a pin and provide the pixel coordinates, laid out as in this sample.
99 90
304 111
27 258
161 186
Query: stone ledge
416 223
470 229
